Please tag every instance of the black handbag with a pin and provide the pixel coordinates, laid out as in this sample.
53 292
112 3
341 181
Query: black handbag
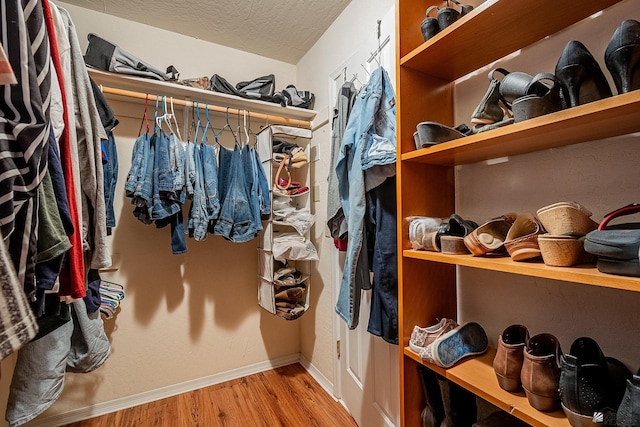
617 247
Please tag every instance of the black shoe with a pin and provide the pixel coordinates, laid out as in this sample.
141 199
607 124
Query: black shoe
581 79
622 56
590 382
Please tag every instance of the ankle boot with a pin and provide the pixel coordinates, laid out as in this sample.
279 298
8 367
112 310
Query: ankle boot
590 382
459 405
580 76
509 357
433 412
541 372
622 56
629 410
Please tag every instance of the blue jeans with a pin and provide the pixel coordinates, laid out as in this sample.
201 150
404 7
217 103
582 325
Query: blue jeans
263 188
383 257
210 180
365 146
110 169
236 221
163 180
252 184
198 217
138 163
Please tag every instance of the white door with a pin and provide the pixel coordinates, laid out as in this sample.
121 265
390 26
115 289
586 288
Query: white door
367 377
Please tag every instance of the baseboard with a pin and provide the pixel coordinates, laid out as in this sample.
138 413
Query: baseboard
318 376
162 393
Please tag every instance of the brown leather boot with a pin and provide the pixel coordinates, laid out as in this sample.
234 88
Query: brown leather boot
509 357
541 372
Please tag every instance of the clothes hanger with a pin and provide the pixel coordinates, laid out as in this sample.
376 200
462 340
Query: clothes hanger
144 115
227 126
175 121
195 135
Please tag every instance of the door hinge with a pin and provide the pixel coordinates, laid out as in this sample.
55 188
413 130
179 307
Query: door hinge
338 348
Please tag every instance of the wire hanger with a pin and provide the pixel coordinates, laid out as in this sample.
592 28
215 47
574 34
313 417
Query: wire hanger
175 121
227 126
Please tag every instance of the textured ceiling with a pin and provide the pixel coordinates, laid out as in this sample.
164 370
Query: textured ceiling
280 29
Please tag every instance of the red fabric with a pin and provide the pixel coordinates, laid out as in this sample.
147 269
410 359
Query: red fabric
72 274
341 244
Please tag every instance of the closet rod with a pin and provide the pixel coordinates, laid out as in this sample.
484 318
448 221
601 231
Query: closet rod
214 108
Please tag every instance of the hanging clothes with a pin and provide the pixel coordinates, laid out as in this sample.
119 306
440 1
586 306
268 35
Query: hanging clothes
367 158
335 215
24 126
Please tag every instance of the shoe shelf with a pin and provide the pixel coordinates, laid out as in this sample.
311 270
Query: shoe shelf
585 274
476 374
617 115
454 52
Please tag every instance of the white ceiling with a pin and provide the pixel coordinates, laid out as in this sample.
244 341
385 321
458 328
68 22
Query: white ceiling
280 29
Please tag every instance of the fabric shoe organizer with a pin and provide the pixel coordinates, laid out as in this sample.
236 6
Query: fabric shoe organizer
285 252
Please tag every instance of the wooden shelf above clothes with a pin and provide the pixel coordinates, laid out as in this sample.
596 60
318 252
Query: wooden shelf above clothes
124 87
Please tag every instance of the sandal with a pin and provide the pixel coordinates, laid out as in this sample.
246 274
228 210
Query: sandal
429 26
533 104
522 239
490 236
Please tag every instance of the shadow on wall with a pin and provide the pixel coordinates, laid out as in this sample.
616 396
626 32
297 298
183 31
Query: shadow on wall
214 271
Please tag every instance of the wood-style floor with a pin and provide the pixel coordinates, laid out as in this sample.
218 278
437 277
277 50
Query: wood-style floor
282 397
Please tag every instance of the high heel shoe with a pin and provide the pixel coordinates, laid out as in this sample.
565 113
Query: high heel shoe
581 79
622 56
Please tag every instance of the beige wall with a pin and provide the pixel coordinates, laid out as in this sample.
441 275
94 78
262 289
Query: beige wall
188 316
601 175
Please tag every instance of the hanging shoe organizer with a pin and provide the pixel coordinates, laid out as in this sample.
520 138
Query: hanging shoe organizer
284 276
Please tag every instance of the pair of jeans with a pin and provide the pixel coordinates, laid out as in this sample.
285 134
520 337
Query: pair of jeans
263 187
253 185
236 221
381 225
370 131
163 205
110 172
210 181
198 216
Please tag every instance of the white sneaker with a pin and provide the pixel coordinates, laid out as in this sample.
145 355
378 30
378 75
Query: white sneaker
422 338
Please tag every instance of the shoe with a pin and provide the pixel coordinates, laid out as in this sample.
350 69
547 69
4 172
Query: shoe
447 16
490 236
429 25
507 364
433 412
522 239
432 133
488 110
629 409
566 219
580 76
463 341
452 240
541 372
590 382
517 84
422 338
534 105
622 56
459 404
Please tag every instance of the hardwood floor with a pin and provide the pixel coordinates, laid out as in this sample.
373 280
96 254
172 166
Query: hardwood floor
282 397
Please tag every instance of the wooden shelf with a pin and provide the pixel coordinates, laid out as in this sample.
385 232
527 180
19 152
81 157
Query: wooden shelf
476 374
454 52
156 87
618 115
585 274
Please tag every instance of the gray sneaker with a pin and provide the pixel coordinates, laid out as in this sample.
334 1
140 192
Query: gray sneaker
465 340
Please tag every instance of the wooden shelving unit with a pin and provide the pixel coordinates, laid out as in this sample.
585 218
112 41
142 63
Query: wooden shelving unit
426 75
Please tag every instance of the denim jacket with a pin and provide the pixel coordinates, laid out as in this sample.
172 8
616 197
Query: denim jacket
367 157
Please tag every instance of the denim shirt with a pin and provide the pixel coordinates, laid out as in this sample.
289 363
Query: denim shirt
367 157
